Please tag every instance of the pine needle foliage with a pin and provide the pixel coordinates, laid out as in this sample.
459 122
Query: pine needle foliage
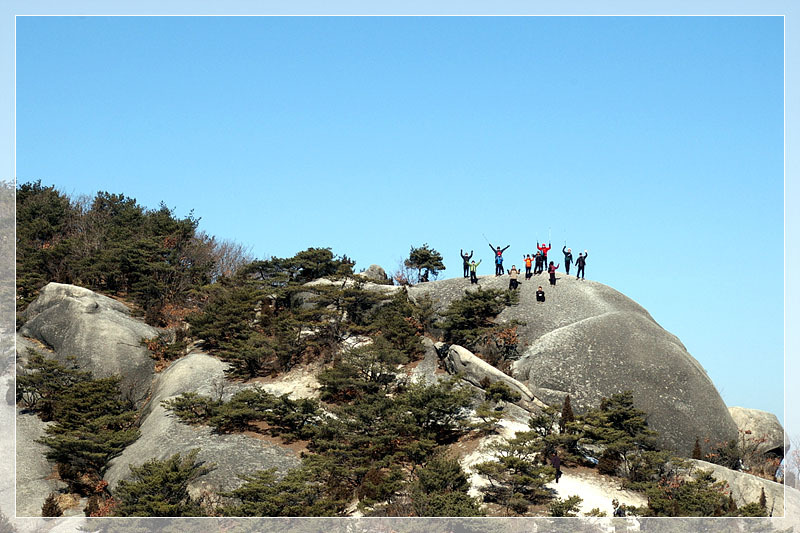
161 488
469 318
50 507
92 426
43 382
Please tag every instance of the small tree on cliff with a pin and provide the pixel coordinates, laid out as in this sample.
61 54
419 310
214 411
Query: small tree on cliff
427 259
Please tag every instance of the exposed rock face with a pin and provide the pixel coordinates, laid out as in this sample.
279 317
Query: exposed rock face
746 488
163 435
426 369
34 472
475 370
375 272
590 341
368 286
765 431
97 330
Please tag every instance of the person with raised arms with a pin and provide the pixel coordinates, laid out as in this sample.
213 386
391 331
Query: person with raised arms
498 259
567 257
466 259
580 262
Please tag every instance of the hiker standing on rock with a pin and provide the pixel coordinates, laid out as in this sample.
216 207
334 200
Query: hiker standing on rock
473 272
539 268
580 262
498 259
540 294
552 270
466 259
567 257
528 262
544 250
513 283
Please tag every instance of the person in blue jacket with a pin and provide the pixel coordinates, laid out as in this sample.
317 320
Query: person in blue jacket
498 259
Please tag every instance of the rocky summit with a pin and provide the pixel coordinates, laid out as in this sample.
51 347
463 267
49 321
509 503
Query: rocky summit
591 341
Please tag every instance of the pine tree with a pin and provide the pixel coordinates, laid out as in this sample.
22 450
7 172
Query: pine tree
516 478
565 507
50 507
427 259
92 427
467 319
160 488
762 500
302 492
442 489
621 428
44 381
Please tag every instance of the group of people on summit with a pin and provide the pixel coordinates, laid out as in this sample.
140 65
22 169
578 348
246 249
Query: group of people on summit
537 261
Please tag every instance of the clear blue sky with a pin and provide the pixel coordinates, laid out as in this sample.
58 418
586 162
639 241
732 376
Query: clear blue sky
655 143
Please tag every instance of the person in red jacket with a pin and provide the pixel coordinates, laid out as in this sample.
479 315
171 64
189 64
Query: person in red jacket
544 250
539 264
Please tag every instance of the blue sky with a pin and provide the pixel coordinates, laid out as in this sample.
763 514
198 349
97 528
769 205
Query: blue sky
655 143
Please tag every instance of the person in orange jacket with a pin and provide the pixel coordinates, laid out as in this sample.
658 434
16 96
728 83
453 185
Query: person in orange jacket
528 263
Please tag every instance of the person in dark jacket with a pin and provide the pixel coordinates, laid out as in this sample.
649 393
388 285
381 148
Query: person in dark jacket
555 460
567 257
466 259
473 272
552 270
498 259
539 267
580 262
540 294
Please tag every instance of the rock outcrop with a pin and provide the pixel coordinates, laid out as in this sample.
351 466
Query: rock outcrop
590 341
476 371
35 474
97 330
746 488
375 273
761 430
163 435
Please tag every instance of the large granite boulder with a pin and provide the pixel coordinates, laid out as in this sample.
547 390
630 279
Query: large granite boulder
375 273
97 330
35 474
590 341
760 429
163 435
474 370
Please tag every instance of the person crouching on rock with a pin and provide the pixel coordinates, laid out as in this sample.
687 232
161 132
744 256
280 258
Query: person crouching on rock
552 270
528 262
513 283
540 294
473 272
